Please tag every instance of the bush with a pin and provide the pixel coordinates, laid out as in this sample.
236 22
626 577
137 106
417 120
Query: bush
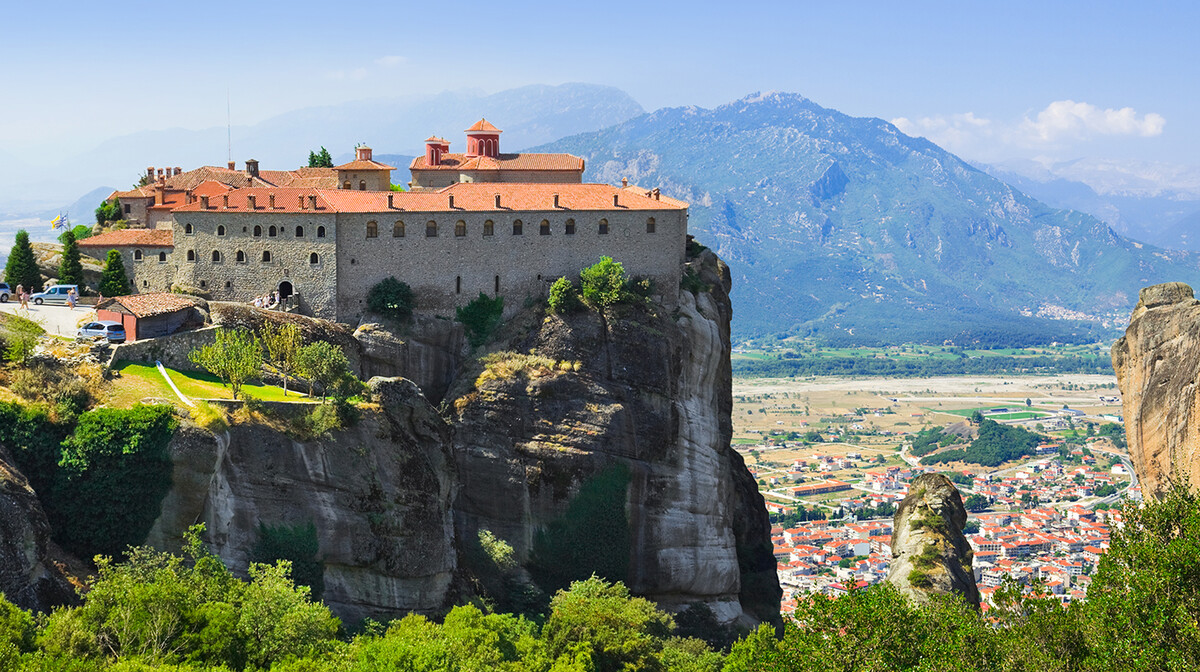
480 317
68 393
109 211
603 283
21 337
391 298
296 544
564 298
210 417
506 365
35 442
320 421
114 472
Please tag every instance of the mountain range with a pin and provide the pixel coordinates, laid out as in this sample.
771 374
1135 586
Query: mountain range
845 228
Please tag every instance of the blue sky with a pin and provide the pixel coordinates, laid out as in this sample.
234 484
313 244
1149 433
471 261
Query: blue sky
989 80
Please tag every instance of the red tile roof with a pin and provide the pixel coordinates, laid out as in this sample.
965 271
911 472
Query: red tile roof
484 126
130 238
148 305
514 197
286 200
364 165
524 161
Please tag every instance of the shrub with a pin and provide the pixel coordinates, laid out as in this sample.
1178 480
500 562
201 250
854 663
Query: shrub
210 417
603 283
109 211
21 337
113 474
391 298
320 421
564 298
34 440
296 544
506 365
480 317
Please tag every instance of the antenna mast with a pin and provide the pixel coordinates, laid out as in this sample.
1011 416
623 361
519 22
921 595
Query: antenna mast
228 128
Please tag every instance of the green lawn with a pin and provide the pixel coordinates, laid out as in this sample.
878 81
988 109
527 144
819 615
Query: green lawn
138 381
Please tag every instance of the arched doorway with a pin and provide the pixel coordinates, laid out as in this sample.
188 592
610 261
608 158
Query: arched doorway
285 290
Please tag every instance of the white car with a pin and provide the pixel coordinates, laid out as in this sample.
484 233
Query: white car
56 294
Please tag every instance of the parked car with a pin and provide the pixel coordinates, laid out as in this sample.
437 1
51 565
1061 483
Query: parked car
113 331
5 292
56 294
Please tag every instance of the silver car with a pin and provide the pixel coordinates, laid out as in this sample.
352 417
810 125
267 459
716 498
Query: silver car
113 331
55 295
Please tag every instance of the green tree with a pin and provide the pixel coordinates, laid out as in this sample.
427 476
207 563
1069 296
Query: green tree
564 298
480 317
320 159
616 631
282 343
80 231
391 298
976 503
323 365
298 545
21 267
70 269
235 356
603 285
113 281
109 211
21 337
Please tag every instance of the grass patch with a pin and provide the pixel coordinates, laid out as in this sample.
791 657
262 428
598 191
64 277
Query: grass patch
138 381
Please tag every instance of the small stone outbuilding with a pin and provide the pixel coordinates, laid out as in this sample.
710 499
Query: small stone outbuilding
152 315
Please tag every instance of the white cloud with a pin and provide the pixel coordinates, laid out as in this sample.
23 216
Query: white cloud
390 61
1080 120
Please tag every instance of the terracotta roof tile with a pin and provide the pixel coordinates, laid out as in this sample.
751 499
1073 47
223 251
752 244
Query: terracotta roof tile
524 161
286 200
130 238
514 197
364 165
483 125
148 305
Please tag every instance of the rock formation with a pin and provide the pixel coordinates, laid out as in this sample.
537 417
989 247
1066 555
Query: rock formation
378 494
28 576
1157 363
930 554
528 442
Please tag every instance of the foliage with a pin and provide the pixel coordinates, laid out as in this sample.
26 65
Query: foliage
787 520
70 269
480 317
113 280
324 365
930 439
1105 490
321 159
603 283
209 417
21 267
112 476
108 211
564 298
976 503
591 537
493 564
282 344
235 356
995 445
298 545
506 365
65 388
1115 432
21 336
320 421
34 440
79 232
691 282
391 298
798 365
603 622
396 188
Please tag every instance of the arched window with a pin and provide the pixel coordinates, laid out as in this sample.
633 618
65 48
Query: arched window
346 184
398 229
362 185
313 258
162 256
241 257
517 227
372 229
272 231
489 228
544 228
570 228
460 229
257 231
650 225
603 226
216 256
191 255
221 230
203 284
266 256
320 232
137 255
431 229
187 229
299 231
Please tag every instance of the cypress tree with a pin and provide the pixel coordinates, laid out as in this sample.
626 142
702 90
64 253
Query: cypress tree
22 268
113 281
70 269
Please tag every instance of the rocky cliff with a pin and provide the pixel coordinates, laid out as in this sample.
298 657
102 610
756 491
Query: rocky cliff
537 433
28 575
930 554
1157 363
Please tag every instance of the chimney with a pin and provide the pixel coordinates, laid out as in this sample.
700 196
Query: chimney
232 165
252 167
178 170
556 200
250 202
616 202
497 201
161 177
451 201
150 173
362 153
225 200
312 202
656 194
271 198
391 201
624 181
204 202
301 197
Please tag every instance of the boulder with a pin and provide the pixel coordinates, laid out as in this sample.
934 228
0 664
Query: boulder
930 554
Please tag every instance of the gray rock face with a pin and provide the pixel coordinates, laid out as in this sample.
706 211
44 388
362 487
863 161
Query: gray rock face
427 352
28 576
930 554
1157 363
378 493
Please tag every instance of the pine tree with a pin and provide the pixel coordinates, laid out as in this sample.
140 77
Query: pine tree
321 159
113 281
22 268
70 269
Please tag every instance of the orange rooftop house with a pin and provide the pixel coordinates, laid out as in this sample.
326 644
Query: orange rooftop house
150 315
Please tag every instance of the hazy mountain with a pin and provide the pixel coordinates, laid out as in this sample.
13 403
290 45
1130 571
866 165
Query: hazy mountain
847 228
83 210
1157 206
527 115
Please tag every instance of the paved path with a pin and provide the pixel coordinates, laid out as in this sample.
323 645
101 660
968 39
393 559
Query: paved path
59 320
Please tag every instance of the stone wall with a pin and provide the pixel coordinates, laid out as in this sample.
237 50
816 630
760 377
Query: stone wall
448 270
149 269
171 350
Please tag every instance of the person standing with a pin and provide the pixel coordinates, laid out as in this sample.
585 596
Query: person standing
71 298
21 295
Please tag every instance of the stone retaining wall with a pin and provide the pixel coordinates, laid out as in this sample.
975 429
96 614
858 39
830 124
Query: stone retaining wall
171 350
